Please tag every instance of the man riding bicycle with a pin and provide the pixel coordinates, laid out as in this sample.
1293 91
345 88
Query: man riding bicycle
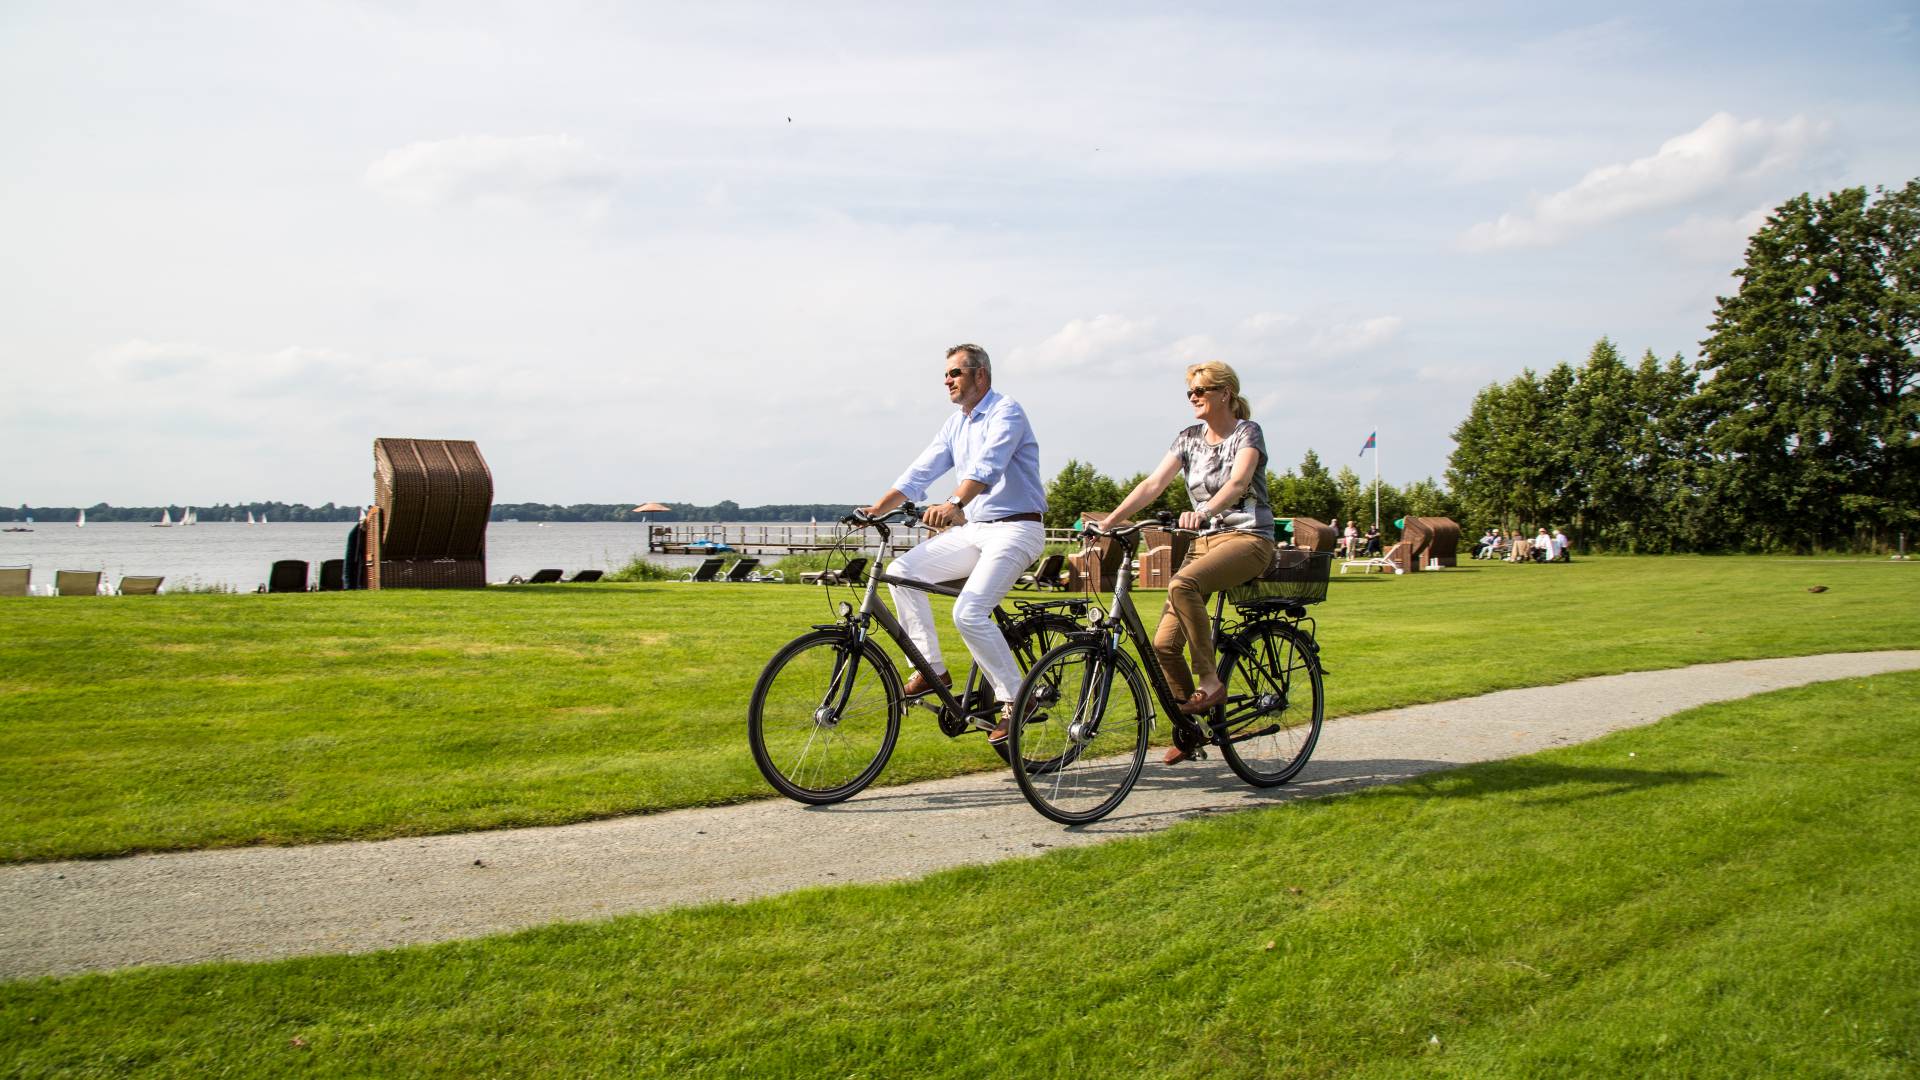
991 526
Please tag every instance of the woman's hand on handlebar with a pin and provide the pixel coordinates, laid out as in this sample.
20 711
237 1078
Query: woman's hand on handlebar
1195 520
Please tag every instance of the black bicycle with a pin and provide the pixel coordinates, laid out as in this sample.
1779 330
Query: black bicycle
1086 716
826 711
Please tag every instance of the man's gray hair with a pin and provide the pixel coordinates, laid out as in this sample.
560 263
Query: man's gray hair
976 357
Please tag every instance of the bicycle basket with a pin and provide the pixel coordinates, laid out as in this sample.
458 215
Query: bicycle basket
1296 575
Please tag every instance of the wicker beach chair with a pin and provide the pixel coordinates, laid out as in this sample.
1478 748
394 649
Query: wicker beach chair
76 583
333 575
140 585
289 575
428 527
16 580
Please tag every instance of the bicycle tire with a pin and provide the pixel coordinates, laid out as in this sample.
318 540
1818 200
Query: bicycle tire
1085 712
820 732
1031 639
1269 731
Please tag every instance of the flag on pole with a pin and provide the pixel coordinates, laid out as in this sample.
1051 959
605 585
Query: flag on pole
1369 446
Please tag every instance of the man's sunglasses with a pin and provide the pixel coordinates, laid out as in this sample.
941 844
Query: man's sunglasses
954 373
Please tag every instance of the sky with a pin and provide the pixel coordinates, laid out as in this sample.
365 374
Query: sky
695 252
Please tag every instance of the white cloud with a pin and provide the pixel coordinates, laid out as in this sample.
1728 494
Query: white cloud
491 170
1715 238
1103 339
1362 335
1720 151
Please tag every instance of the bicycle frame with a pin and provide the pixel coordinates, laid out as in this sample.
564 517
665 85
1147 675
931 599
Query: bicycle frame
873 610
1127 617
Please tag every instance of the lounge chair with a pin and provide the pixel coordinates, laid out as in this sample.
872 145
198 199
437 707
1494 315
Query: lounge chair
776 577
540 577
133 585
1045 574
76 583
708 568
584 576
854 573
333 575
16 580
739 570
289 575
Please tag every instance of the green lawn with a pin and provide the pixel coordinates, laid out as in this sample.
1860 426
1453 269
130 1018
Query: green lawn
1732 892
154 723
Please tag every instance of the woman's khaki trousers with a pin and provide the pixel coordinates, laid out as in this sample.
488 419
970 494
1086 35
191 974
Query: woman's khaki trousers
1215 562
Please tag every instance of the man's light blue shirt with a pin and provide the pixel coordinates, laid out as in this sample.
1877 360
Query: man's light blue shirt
993 444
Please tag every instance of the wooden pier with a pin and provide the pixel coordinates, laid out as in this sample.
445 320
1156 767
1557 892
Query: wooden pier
777 538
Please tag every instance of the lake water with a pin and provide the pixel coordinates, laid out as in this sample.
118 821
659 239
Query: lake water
241 555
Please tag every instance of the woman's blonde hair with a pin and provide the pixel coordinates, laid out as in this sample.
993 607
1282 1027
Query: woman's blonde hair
1219 374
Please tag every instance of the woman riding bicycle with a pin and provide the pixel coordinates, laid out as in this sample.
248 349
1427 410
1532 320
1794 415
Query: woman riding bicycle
1224 457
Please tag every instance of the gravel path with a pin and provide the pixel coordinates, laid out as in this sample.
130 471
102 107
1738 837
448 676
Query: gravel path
261 903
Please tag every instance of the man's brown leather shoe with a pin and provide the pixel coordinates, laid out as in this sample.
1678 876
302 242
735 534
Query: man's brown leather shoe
918 684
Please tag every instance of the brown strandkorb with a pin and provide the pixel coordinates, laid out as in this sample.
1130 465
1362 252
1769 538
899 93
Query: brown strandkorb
1423 539
1296 575
428 529
1312 534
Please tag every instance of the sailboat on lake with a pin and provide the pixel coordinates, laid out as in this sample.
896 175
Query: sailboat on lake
82 523
166 520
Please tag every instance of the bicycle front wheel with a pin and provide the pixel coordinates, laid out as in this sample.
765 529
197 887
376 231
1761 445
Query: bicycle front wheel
1079 737
824 717
1275 703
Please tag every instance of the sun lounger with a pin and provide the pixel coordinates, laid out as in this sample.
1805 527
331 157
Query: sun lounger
1045 575
1384 564
542 577
739 570
16 580
134 585
585 576
289 575
708 568
76 583
854 573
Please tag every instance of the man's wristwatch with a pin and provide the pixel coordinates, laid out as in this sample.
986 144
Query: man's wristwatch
954 501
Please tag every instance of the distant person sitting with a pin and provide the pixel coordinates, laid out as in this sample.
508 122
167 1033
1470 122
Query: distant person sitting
1561 551
1542 546
1484 549
1373 541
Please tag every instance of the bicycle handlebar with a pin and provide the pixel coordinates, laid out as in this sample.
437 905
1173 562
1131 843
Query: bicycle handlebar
903 512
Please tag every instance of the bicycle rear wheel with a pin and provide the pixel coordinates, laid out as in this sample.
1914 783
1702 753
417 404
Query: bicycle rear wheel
1079 738
824 716
1275 702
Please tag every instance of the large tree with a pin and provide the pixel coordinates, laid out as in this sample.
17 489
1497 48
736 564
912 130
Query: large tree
1811 389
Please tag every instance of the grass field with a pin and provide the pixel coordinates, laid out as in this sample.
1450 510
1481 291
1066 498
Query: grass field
1732 892
154 723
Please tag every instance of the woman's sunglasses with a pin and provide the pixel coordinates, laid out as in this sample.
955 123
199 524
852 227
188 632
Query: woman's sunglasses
1195 393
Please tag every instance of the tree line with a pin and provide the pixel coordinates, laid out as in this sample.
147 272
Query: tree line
1797 429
